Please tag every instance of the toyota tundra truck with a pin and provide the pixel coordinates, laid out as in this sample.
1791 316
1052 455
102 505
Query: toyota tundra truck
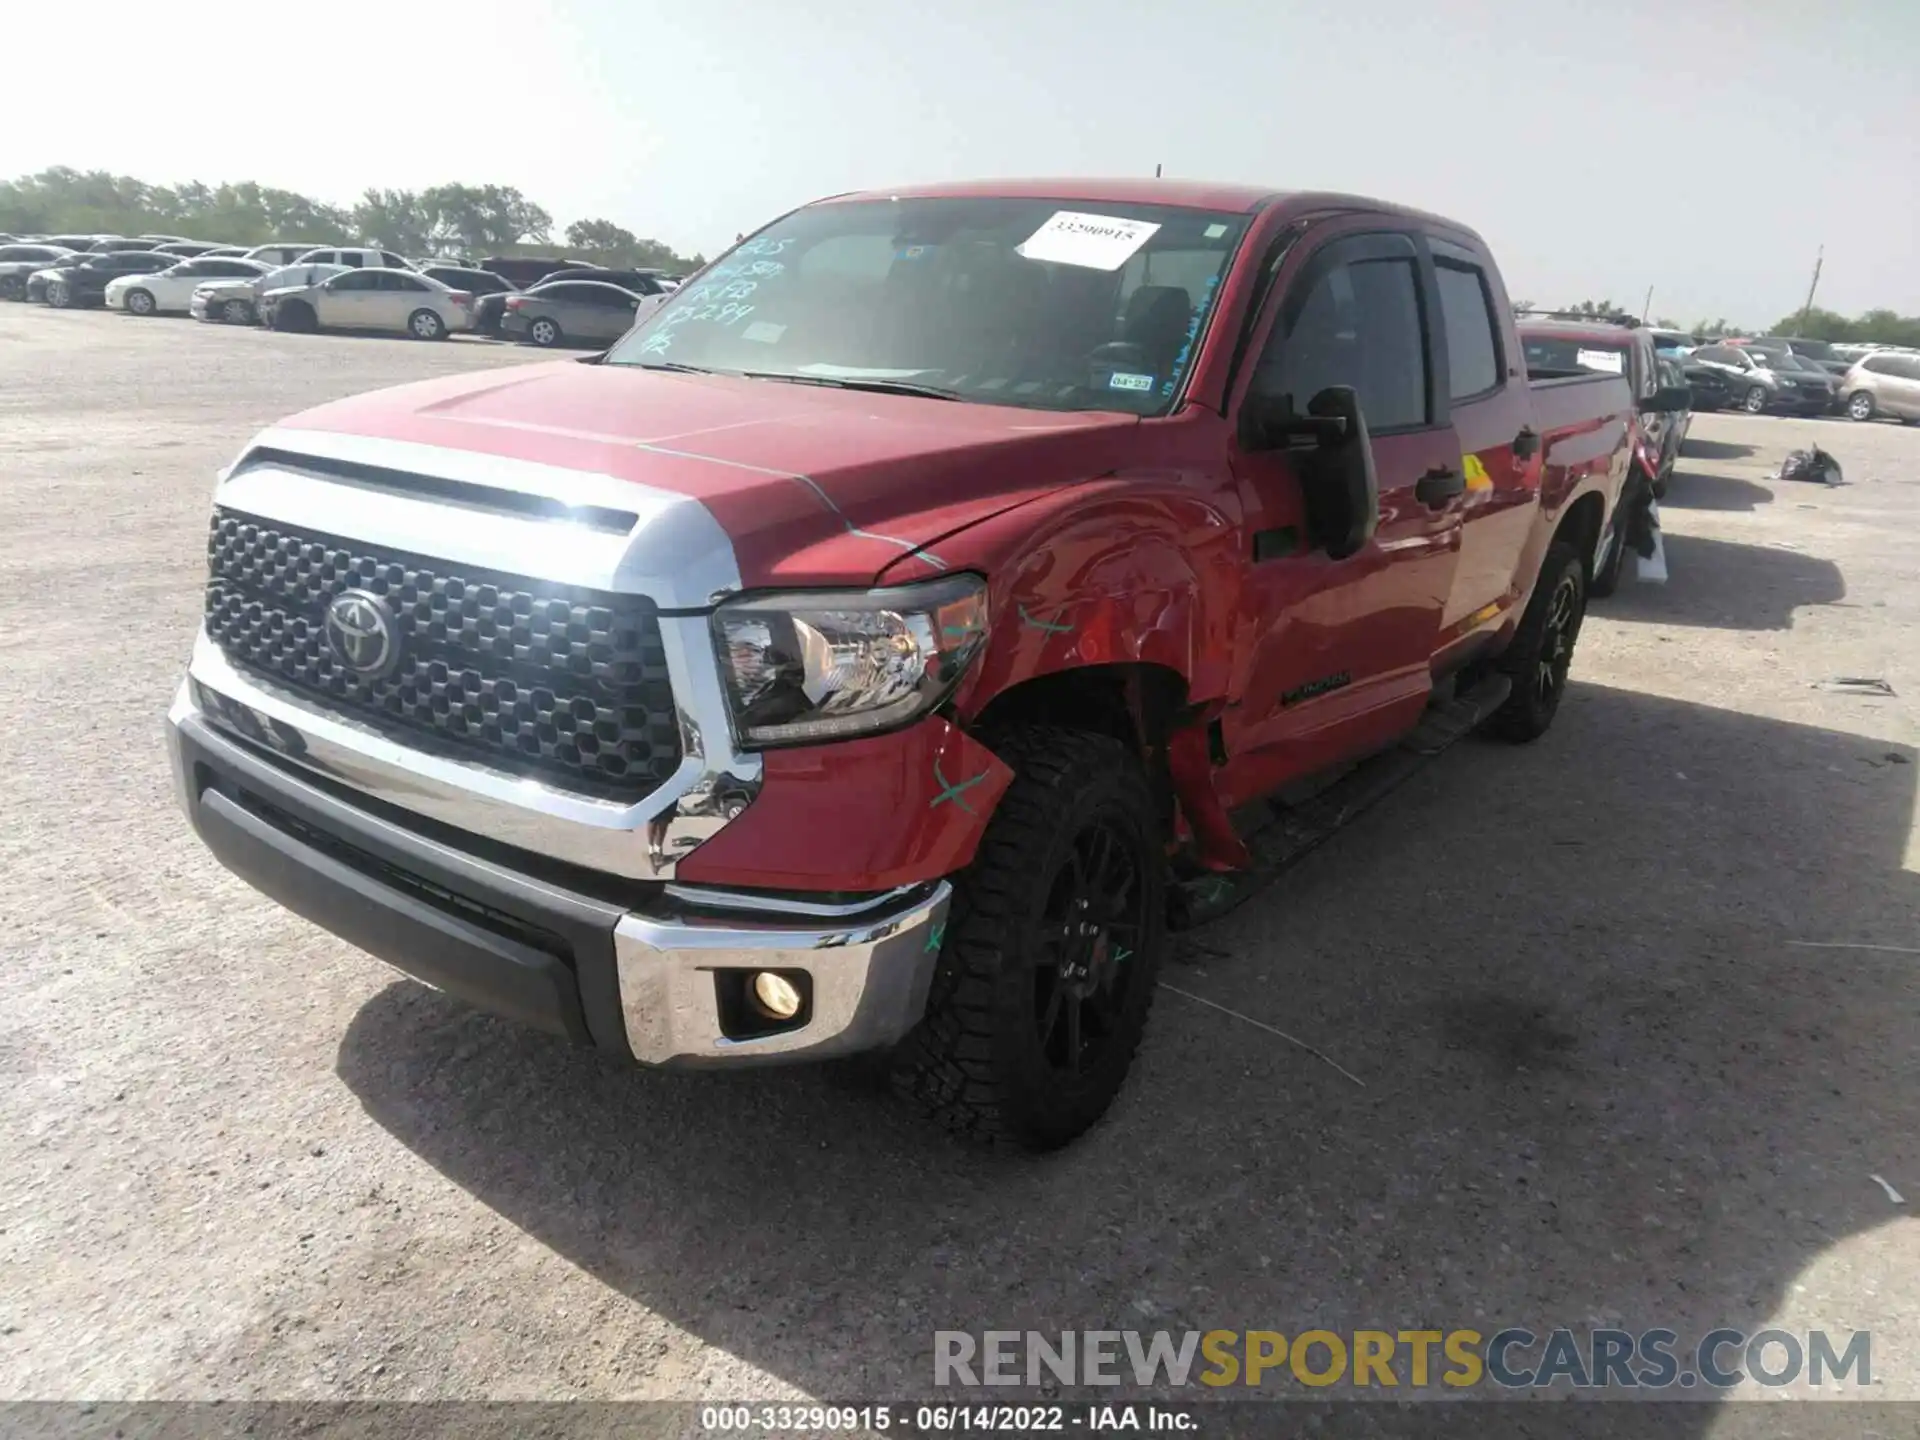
859 656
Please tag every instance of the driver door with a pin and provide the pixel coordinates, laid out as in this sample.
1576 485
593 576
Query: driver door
1335 656
346 300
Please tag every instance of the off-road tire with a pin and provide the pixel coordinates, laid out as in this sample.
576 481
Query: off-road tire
1607 574
976 1061
296 319
1543 639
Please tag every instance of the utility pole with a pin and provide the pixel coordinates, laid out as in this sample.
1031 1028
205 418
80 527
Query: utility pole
1807 309
1156 172
1646 307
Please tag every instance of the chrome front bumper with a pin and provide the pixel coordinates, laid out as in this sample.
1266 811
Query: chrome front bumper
648 979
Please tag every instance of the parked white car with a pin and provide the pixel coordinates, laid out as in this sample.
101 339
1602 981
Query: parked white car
371 299
356 257
170 292
236 302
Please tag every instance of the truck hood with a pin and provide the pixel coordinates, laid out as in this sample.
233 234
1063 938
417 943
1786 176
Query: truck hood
813 485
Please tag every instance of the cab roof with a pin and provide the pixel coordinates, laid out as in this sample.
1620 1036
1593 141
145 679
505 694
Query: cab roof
1137 190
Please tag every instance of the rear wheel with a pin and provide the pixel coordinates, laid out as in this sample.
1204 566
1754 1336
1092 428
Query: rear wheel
12 287
1860 405
140 302
1043 984
544 332
425 324
1755 400
1542 650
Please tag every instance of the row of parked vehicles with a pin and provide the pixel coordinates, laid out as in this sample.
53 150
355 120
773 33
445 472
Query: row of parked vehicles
1785 374
301 287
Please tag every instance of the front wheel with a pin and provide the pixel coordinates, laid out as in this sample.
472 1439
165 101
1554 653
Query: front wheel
58 296
237 312
424 324
1755 400
140 302
1052 948
1860 405
1542 649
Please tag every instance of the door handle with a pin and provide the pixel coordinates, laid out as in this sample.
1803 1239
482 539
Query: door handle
1438 486
1526 444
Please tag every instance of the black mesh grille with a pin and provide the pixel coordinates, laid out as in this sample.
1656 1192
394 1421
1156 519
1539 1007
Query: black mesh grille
544 679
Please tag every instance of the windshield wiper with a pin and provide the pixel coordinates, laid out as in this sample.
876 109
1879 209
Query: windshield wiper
839 382
678 368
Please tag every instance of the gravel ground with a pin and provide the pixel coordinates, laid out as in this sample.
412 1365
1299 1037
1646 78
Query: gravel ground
1604 1082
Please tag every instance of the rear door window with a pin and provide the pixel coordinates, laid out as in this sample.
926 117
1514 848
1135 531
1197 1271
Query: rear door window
1466 312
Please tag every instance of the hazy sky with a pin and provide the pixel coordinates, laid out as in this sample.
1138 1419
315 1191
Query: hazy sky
1703 147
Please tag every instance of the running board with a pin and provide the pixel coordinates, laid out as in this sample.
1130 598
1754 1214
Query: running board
1280 835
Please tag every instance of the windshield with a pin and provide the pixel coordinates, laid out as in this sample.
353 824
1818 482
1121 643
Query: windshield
1813 350
1033 303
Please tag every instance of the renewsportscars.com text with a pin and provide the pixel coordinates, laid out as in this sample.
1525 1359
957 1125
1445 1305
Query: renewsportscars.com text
1514 1359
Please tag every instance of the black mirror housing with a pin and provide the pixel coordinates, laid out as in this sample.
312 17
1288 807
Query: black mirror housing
1333 455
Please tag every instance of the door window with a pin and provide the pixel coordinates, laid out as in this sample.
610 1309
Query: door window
358 280
1359 325
1466 310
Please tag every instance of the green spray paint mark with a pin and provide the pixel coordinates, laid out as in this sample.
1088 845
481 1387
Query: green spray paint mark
935 936
950 791
1121 953
1051 629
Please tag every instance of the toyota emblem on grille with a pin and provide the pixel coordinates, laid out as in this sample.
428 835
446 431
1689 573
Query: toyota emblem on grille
361 632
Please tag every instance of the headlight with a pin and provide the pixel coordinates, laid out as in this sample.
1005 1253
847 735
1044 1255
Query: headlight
825 665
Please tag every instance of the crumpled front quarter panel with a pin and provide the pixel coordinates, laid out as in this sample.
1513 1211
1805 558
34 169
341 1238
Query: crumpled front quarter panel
865 814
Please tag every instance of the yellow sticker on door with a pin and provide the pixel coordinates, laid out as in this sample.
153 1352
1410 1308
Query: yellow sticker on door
1477 477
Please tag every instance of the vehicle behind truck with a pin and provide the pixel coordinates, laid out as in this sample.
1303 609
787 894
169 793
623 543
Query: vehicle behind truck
858 657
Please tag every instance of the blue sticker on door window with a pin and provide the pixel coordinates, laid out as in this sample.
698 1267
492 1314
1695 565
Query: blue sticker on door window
1127 380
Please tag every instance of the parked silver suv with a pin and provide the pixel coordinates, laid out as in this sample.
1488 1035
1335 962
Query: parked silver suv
1886 382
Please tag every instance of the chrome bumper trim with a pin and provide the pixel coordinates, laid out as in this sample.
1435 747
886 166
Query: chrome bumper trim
870 980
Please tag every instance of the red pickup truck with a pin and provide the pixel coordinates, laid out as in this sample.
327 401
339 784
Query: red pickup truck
855 657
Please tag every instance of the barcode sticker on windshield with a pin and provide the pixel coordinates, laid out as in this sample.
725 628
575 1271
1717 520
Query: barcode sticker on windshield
1611 361
1098 242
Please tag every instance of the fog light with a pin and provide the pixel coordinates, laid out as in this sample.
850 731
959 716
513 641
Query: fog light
775 996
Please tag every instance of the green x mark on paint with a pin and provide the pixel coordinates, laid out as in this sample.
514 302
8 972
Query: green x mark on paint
1051 629
1120 952
950 791
935 936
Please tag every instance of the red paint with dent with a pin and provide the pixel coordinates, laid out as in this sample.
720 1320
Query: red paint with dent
864 814
1104 539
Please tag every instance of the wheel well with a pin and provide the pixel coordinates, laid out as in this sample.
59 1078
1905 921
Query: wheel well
1580 528
1137 705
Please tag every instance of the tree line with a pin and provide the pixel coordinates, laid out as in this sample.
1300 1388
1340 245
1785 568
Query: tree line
474 220
1879 327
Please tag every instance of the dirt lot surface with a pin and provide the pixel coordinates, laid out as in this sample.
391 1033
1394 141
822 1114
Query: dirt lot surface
1609 1074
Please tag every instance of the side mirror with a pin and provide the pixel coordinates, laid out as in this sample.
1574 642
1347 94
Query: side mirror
1333 455
1668 400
